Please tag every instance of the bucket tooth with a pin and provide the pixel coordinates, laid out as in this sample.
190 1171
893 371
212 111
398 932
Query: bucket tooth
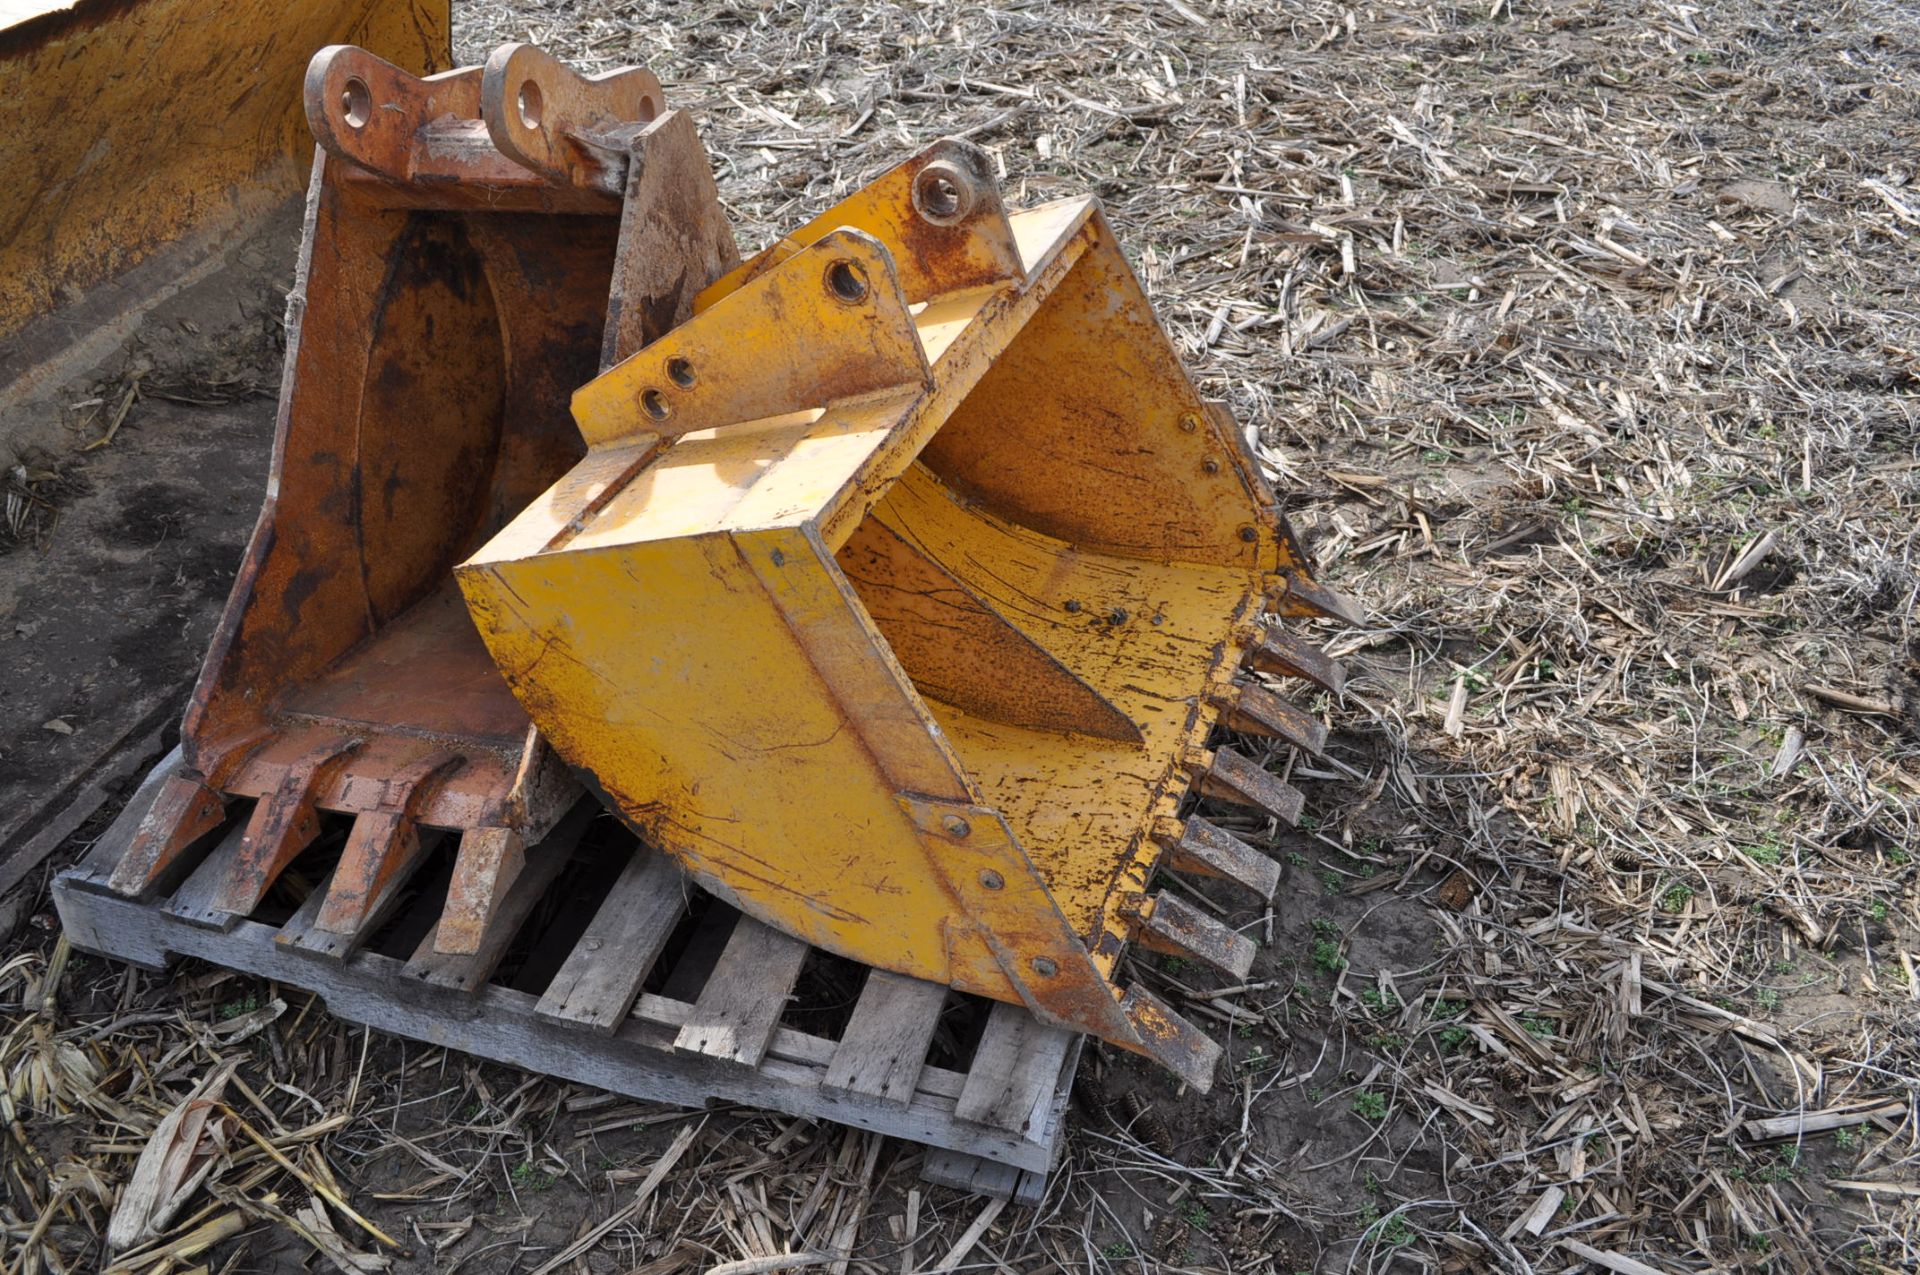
1230 776
383 846
1176 927
1287 656
1256 710
488 863
1171 1040
184 811
1308 599
1203 849
284 822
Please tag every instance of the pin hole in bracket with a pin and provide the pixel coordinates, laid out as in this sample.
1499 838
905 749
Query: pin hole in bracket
944 193
847 281
356 102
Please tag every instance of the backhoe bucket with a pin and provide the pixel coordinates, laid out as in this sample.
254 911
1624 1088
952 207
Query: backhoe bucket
460 247
900 593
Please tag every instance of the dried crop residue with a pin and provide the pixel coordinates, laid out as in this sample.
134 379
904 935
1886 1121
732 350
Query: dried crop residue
1582 340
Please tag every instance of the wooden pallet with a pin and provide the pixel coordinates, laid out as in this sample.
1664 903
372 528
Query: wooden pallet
663 994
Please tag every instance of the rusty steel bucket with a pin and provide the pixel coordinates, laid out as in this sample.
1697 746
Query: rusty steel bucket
463 233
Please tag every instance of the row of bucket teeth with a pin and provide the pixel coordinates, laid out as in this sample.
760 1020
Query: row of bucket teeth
382 846
281 826
1166 922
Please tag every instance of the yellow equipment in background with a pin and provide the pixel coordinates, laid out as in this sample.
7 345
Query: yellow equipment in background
140 138
900 593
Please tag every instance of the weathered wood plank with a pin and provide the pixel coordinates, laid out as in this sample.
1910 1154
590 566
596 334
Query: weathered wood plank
193 901
885 1043
501 1024
1013 1073
794 1046
741 1004
790 1045
602 975
983 1177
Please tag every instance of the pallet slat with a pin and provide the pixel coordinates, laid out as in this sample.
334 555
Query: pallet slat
669 1016
602 975
885 1044
729 993
1013 1073
193 901
741 1004
971 1173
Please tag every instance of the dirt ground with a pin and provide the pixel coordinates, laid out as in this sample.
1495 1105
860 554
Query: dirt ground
121 537
1582 343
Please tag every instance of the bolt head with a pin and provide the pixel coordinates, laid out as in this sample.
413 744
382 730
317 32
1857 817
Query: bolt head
992 880
1044 967
956 826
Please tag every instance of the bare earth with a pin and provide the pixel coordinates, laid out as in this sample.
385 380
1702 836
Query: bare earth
1582 342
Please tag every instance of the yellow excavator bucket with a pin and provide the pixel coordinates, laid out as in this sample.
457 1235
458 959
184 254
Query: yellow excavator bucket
899 596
